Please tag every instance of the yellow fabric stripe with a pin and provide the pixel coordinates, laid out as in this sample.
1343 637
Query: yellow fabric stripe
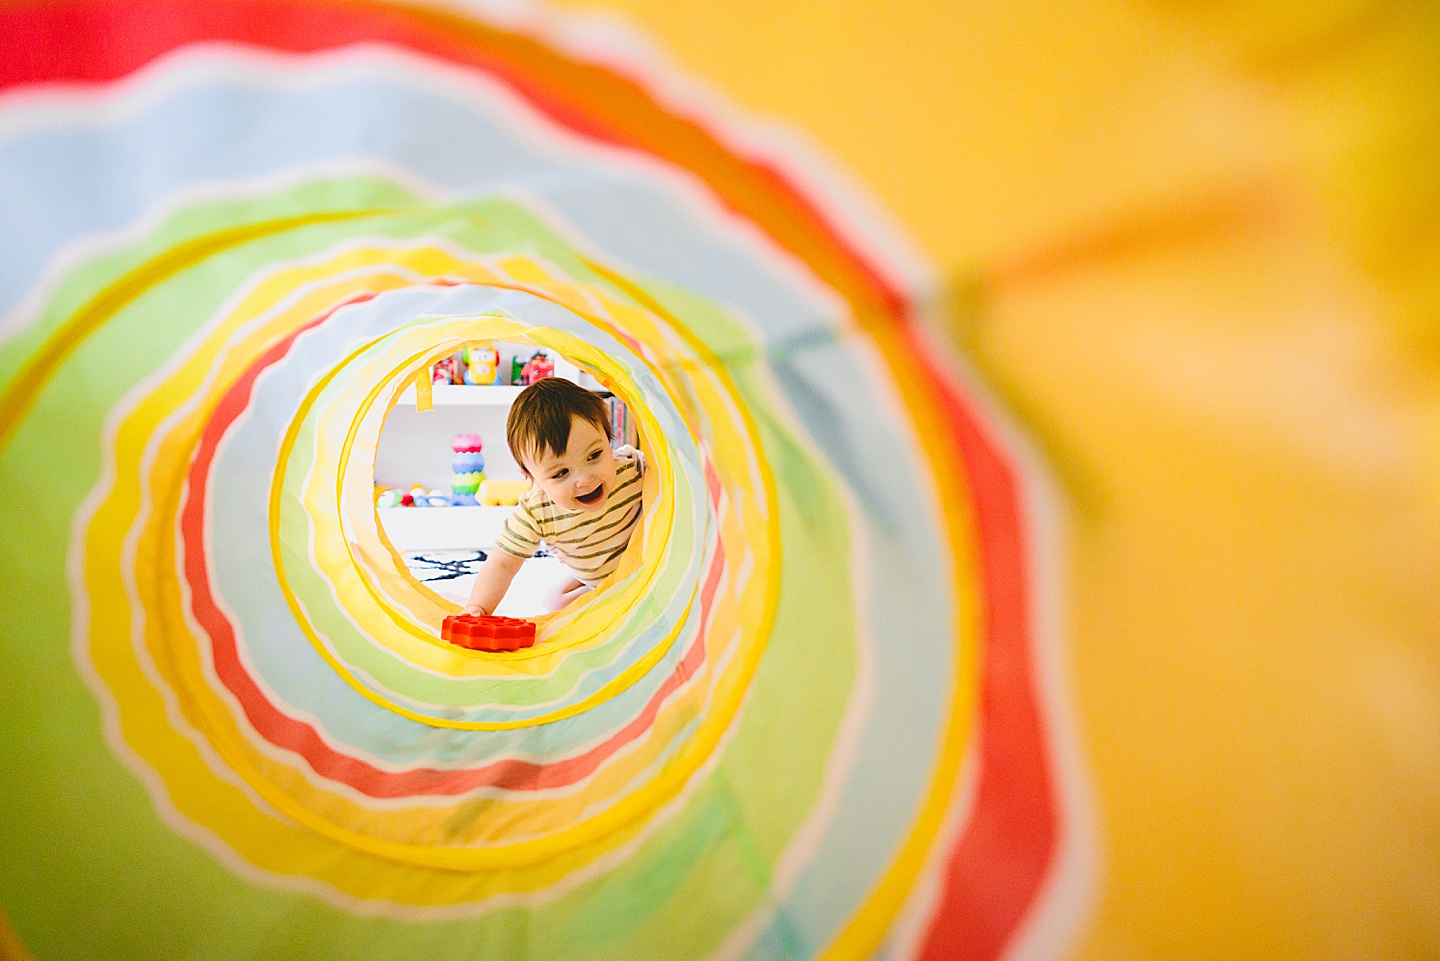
424 390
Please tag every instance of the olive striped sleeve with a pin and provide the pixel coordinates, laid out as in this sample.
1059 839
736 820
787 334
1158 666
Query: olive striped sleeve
521 534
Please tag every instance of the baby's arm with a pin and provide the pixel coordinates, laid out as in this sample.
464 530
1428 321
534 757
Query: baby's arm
492 582
516 541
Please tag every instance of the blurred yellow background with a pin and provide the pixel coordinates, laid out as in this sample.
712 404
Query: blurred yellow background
1195 248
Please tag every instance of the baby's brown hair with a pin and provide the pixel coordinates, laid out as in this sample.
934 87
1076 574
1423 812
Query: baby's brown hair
540 418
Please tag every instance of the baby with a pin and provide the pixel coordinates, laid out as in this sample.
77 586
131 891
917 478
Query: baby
584 499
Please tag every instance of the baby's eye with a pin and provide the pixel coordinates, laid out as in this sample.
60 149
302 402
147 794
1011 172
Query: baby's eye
559 474
595 455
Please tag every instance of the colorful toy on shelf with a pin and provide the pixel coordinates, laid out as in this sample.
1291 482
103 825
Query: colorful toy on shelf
517 367
485 632
482 365
446 371
467 469
467 444
420 497
538 367
501 493
463 488
416 496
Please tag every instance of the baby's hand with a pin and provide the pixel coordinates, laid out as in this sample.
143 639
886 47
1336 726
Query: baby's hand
626 452
474 610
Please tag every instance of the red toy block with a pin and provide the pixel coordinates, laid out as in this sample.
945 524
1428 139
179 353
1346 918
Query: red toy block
485 632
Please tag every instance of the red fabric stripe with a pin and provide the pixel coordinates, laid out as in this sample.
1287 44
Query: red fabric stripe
999 861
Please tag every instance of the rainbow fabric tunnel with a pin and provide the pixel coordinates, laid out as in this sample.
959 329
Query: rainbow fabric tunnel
807 715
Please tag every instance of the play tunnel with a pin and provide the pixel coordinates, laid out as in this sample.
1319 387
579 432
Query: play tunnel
761 736
822 709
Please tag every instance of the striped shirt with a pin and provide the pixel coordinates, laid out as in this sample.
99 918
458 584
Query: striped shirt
588 543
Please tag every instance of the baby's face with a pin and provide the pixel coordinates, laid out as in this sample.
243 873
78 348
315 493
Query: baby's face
581 478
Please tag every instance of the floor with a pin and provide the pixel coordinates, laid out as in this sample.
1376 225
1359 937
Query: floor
450 573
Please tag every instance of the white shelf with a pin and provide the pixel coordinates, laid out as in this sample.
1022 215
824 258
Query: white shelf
442 528
455 395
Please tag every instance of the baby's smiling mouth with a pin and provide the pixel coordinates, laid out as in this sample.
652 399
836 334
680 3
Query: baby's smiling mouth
593 496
